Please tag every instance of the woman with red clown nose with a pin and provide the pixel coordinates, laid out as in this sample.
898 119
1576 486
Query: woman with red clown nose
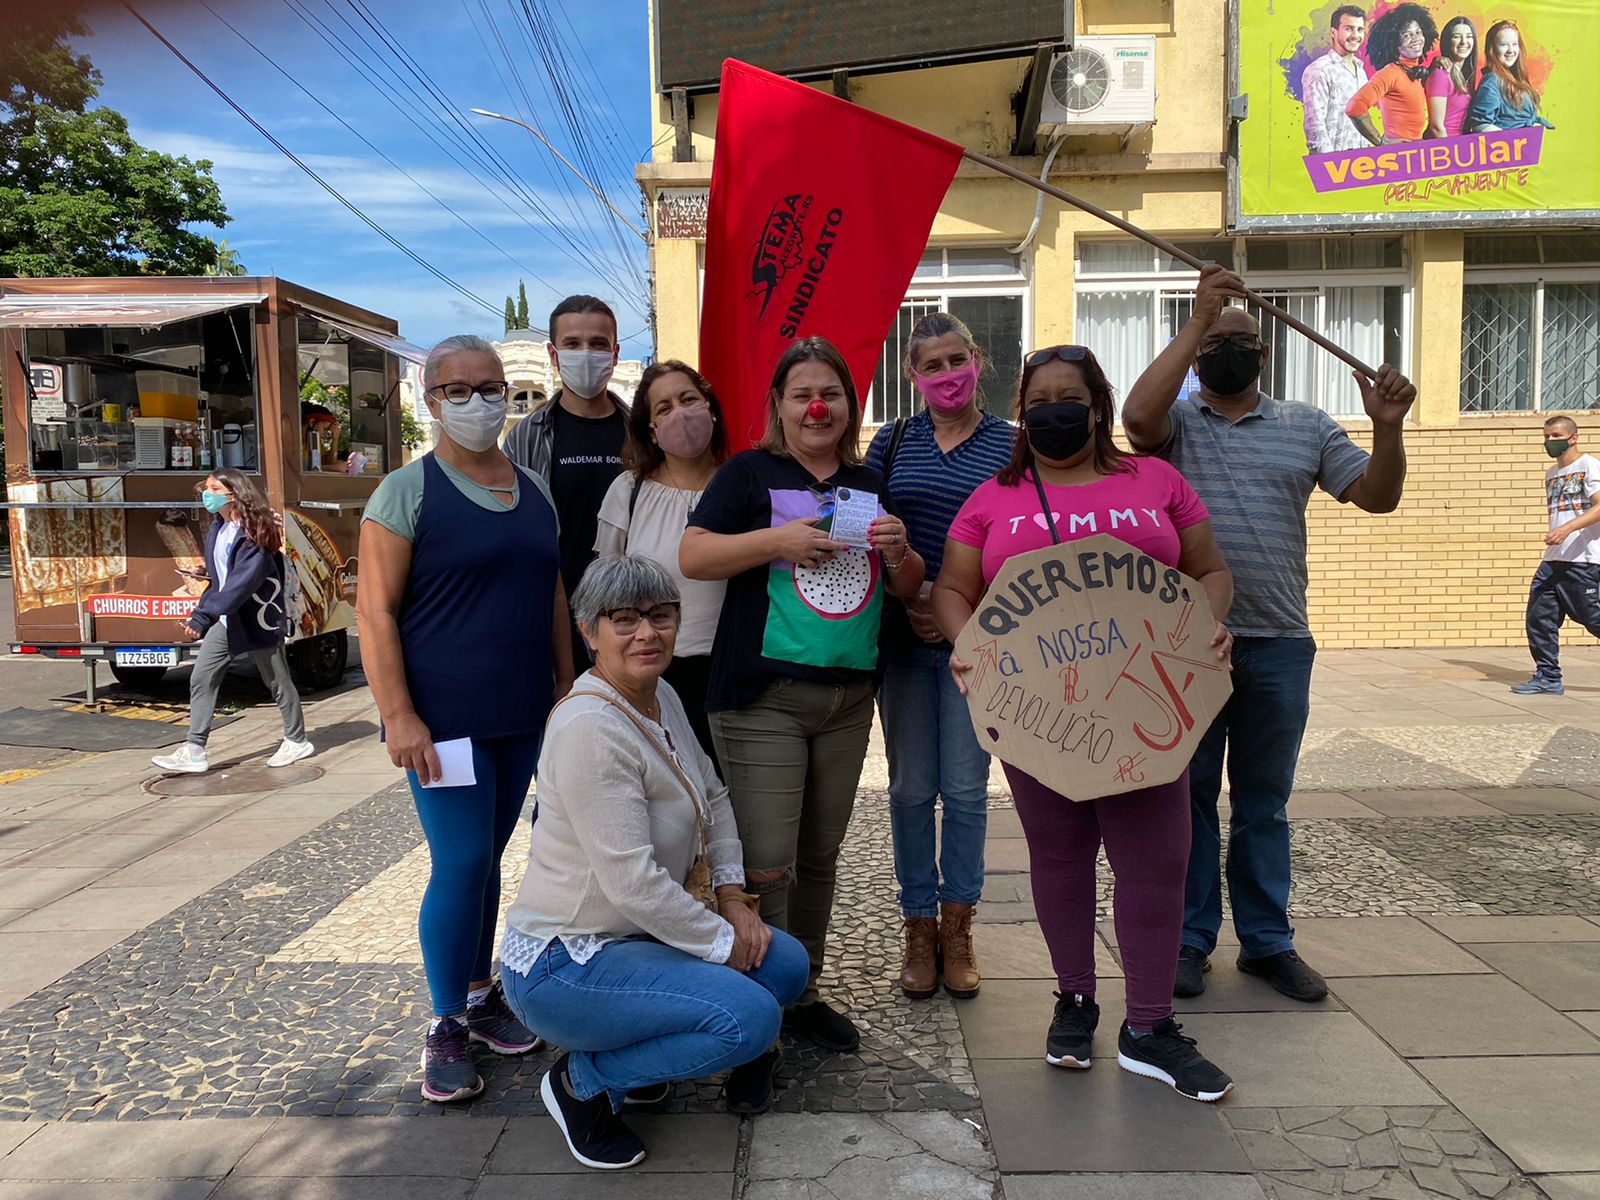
796 648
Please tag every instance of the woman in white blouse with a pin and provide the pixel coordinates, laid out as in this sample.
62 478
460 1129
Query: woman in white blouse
615 947
676 442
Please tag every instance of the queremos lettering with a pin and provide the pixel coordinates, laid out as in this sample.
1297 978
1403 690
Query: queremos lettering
1086 734
815 265
1037 587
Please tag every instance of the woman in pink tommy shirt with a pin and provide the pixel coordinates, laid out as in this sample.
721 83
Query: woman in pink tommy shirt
1063 482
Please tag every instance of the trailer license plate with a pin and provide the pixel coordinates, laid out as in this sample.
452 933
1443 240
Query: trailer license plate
147 658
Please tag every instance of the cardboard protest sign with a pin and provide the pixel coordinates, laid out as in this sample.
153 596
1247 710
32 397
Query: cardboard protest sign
1092 669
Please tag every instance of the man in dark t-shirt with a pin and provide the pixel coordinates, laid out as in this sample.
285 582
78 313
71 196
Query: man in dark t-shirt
575 441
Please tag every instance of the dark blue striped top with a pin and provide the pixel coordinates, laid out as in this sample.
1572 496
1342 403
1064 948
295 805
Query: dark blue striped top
929 486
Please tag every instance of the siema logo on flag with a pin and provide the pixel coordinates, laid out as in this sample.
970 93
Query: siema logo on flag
778 249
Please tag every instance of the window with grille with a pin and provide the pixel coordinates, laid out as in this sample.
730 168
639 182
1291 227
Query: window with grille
1132 300
1530 345
984 287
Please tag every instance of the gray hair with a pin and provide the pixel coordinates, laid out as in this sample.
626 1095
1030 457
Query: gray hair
621 581
932 326
459 344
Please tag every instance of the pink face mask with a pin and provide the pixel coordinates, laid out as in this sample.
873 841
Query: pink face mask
950 391
685 432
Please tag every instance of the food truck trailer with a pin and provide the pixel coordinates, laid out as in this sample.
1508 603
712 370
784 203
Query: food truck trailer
122 394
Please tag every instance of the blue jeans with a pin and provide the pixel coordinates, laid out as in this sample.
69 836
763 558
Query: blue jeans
933 754
1260 728
640 1013
467 830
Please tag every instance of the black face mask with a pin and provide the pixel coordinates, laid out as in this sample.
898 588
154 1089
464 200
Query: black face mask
1058 431
1228 369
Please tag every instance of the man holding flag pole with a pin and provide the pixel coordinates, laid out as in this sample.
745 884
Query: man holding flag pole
1255 460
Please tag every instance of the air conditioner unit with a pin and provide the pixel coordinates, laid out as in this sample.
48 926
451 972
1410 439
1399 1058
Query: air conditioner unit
1101 85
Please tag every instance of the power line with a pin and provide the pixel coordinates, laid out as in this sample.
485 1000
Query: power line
497 310
450 110
394 94
516 262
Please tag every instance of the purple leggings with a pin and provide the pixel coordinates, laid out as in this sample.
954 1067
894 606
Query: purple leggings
1146 834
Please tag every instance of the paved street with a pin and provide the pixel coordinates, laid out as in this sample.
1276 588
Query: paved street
217 992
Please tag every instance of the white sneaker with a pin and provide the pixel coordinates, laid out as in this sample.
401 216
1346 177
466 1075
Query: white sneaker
185 758
291 752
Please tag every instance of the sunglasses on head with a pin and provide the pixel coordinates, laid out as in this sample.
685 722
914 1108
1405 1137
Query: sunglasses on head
1069 354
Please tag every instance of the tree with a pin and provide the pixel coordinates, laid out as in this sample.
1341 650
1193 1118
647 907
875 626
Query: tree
511 315
522 305
227 261
78 195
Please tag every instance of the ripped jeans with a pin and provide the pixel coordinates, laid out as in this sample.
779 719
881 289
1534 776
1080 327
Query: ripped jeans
792 761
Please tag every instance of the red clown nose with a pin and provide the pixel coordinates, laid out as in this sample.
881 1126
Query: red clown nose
817 410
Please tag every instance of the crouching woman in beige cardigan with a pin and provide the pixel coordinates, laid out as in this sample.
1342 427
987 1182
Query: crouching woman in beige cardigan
607 952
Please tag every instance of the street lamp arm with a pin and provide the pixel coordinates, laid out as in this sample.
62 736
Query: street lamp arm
599 195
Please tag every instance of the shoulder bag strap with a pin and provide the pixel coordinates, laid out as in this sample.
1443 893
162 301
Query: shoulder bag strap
893 448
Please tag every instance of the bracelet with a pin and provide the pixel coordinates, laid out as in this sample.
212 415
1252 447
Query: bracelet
740 897
894 566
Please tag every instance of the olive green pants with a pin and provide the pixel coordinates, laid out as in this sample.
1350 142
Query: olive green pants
792 761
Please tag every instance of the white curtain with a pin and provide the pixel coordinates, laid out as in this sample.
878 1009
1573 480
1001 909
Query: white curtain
1125 257
1118 327
1354 320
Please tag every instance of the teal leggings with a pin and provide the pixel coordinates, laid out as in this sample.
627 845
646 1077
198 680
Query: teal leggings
467 830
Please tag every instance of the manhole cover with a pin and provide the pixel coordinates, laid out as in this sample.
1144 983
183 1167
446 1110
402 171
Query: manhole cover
252 777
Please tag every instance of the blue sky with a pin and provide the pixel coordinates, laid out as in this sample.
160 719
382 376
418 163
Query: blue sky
284 224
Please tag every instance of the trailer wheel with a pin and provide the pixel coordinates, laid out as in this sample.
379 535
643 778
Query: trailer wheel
317 664
138 679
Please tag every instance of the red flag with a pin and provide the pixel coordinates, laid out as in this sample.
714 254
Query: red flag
820 210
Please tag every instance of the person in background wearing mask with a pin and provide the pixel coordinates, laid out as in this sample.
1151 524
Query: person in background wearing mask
240 612
1064 479
931 462
574 442
676 442
1255 461
464 628
1567 583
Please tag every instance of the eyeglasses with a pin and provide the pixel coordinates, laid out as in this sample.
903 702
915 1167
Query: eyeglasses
626 621
1245 341
1069 354
492 390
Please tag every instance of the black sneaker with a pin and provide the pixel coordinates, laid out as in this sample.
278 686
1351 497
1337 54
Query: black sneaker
749 1086
447 1070
1165 1054
1071 1031
595 1135
1288 973
653 1093
828 1029
1192 968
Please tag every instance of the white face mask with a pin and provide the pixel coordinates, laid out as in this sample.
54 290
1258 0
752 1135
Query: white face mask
474 425
585 372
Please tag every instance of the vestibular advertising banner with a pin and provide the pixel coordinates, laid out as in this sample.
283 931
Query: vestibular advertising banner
1417 113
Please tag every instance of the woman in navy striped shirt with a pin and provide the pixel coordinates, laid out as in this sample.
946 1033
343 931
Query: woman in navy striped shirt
932 462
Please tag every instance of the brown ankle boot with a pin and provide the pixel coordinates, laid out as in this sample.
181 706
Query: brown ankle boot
961 977
920 975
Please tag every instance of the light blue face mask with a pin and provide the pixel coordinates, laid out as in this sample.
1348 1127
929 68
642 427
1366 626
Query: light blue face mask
215 502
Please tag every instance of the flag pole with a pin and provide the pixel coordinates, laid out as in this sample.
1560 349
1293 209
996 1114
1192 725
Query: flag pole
1176 252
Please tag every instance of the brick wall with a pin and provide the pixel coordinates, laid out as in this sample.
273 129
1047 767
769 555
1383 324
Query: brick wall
1450 567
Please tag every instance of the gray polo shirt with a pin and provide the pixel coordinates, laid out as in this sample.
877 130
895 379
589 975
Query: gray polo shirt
1255 476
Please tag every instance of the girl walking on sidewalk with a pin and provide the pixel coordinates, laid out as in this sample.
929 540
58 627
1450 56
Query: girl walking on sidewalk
241 612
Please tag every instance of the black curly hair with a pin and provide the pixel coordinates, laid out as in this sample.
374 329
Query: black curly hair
1383 43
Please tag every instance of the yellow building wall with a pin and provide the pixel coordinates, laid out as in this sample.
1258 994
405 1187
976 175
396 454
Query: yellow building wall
1451 566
